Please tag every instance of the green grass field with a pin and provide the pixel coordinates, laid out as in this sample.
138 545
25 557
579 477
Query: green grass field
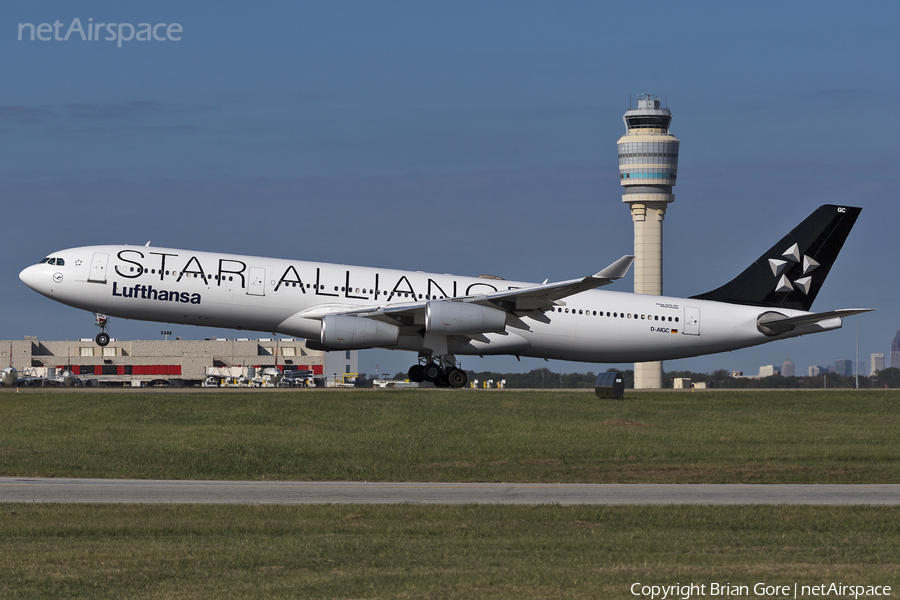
407 551
464 435
73 551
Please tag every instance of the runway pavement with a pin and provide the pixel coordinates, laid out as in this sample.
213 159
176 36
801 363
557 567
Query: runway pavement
139 491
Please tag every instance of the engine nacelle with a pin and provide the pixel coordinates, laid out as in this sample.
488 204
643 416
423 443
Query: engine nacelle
355 333
462 318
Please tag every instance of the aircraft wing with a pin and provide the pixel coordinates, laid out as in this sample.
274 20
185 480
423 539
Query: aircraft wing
520 301
546 295
773 323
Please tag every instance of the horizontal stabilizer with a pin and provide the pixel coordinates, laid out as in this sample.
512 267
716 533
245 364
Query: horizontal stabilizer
773 323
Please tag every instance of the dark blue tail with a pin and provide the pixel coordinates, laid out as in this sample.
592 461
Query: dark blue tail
791 273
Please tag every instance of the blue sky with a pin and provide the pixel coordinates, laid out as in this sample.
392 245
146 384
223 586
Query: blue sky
463 137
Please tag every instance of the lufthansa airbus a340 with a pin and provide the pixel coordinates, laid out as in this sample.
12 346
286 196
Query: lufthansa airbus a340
338 307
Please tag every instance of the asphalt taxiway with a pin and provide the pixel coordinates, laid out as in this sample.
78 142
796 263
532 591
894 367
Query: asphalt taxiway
141 491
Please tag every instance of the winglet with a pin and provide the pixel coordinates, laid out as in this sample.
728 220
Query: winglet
617 270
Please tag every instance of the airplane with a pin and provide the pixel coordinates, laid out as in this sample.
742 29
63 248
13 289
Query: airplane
339 307
9 377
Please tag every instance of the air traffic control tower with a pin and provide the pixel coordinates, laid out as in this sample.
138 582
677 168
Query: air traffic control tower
648 165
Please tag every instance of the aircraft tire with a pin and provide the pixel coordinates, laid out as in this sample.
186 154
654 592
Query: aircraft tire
431 372
416 373
457 378
102 339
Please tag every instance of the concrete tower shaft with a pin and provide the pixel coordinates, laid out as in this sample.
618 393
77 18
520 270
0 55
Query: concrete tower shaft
648 168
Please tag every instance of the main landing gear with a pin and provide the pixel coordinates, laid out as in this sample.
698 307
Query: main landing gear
102 338
442 371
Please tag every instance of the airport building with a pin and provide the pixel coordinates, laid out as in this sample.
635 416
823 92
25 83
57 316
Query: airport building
648 166
175 361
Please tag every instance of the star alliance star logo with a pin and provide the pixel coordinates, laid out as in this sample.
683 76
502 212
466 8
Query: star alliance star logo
790 255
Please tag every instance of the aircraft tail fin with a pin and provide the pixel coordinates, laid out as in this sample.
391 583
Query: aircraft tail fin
792 272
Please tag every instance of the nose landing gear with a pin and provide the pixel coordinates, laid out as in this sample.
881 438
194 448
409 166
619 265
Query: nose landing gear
102 338
442 371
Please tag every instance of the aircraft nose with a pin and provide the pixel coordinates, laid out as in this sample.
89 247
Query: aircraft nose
27 276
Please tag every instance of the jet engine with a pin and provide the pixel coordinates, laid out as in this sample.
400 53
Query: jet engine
354 333
462 318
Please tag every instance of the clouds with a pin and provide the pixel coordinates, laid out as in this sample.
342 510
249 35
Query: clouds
27 115
75 113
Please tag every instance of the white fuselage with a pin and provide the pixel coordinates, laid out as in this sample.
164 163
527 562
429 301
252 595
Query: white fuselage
290 297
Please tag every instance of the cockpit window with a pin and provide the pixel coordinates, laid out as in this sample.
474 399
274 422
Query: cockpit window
46 260
60 262
53 261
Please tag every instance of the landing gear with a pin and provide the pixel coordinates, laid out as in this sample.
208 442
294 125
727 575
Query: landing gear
416 373
457 378
442 372
102 338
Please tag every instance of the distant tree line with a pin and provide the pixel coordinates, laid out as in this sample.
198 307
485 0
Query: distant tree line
547 379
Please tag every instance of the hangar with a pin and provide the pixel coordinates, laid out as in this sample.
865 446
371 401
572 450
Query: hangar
177 361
